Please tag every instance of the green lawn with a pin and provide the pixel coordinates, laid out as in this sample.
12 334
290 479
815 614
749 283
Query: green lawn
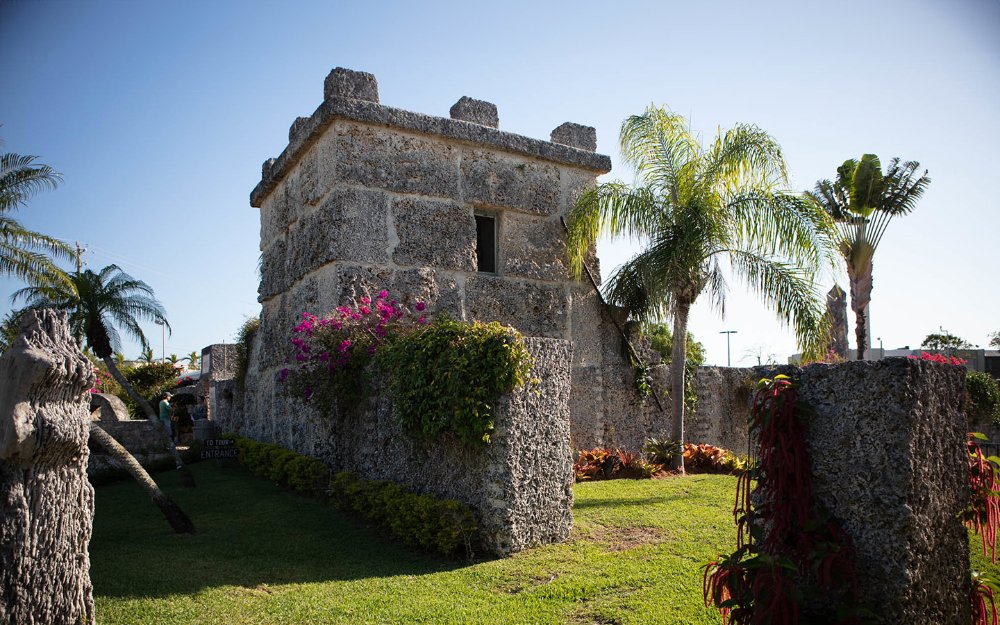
266 556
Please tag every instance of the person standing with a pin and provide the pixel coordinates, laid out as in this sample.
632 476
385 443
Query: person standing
165 413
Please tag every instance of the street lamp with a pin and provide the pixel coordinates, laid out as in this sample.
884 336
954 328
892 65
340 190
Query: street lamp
728 333
880 348
163 340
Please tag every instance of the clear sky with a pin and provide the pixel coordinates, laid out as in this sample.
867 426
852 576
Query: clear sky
159 115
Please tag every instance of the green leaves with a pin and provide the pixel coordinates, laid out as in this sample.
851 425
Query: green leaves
446 377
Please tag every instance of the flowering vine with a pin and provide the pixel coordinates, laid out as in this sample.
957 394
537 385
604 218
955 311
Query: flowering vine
332 354
443 376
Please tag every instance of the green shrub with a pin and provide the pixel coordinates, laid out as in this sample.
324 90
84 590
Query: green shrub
447 376
983 397
661 339
282 466
420 521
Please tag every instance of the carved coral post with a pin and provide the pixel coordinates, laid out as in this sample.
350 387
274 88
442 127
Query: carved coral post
46 502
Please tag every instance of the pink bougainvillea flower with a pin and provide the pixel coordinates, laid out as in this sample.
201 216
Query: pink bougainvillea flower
422 320
344 346
283 374
307 392
366 300
383 294
420 306
365 310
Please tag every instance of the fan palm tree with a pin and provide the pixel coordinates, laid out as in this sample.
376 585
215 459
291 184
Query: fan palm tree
23 251
96 303
862 201
699 210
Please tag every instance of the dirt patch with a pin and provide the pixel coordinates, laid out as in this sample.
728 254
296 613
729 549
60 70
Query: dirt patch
532 582
259 589
623 538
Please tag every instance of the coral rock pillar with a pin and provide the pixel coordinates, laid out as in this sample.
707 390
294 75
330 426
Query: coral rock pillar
46 502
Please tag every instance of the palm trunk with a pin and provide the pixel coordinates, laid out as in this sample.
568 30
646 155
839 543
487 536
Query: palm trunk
861 294
186 478
175 516
677 362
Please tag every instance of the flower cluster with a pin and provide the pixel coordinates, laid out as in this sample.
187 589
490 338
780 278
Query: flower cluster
332 352
941 358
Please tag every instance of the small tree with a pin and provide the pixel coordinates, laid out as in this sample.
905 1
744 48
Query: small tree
699 209
944 341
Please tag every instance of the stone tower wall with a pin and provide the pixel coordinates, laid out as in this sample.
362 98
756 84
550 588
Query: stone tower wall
367 197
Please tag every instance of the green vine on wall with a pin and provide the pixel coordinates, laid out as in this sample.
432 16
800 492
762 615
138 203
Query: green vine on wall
448 376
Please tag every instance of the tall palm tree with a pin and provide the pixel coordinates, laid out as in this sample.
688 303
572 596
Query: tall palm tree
698 210
862 201
23 251
96 303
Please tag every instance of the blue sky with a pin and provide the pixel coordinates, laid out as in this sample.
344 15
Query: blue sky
160 114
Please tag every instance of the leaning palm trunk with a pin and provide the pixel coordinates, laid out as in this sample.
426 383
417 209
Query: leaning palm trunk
175 516
677 362
187 479
861 295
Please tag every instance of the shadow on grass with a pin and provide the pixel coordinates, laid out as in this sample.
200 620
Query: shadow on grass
251 533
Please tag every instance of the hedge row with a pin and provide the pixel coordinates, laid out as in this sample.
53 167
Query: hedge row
422 521
282 466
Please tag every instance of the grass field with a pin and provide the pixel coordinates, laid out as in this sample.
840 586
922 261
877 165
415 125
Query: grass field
262 555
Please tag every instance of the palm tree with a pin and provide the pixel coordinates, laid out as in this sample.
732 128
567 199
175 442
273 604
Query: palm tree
22 251
192 358
147 356
698 210
862 201
96 303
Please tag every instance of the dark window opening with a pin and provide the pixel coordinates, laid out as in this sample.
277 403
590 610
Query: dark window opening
486 243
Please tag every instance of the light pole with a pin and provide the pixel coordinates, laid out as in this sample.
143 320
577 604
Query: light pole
728 333
881 350
163 340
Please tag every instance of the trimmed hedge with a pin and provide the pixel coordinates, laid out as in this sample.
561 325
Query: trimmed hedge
422 521
282 466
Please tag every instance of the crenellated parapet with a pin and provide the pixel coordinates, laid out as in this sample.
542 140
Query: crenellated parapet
353 96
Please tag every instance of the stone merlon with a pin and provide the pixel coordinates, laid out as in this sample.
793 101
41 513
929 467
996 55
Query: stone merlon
476 111
576 136
353 96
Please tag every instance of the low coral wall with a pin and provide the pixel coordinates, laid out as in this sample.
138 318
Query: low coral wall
144 440
519 485
719 418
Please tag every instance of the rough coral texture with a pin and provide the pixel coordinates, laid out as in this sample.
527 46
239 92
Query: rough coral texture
519 485
46 502
887 447
105 407
143 439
